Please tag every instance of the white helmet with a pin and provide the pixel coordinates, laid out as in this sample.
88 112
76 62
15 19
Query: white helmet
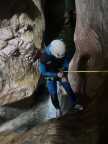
57 48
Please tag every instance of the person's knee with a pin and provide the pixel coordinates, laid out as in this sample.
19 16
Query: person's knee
53 93
52 89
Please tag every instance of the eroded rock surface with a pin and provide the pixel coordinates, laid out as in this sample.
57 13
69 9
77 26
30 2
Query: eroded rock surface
89 126
21 29
68 129
92 54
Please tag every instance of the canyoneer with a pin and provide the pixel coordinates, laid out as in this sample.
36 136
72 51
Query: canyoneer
53 58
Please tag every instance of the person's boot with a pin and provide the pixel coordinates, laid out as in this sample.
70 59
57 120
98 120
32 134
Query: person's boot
76 108
58 113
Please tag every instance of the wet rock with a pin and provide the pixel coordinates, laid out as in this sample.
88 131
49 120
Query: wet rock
27 37
90 126
91 49
14 22
9 50
16 57
1 84
22 30
6 34
21 42
24 19
68 129
9 113
2 44
4 23
2 80
26 48
33 117
14 42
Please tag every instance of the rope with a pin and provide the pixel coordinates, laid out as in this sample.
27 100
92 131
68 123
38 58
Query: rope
91 71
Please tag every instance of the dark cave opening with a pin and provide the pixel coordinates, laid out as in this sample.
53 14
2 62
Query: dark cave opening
53 19
60 24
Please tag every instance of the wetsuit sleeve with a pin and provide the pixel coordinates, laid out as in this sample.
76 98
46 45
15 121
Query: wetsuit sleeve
44 72
66 64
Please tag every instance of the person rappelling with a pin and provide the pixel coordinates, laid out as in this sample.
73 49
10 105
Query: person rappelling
54 58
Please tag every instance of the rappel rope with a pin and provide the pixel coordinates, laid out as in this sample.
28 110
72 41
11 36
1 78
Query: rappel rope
91 71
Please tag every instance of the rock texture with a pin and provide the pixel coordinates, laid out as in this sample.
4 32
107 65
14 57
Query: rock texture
21 32
92 54
89 126
21 29
5 34
68 129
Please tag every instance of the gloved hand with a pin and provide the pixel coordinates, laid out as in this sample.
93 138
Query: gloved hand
64 79
60 74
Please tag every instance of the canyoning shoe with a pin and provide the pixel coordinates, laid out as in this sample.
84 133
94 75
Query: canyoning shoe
78 107
58 113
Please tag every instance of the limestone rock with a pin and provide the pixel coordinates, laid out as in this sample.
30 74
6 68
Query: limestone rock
16 57
14 42
14 22
9 50
91 49
2 44
89 126
24 19
1 83
27 36
2 80
4 23
22 30
5 34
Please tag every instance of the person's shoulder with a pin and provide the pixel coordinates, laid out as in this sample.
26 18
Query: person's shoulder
45 50
45 56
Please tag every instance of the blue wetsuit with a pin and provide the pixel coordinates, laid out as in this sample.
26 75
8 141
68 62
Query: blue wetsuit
49 67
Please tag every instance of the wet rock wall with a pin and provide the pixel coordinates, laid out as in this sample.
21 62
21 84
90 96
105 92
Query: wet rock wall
21 30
